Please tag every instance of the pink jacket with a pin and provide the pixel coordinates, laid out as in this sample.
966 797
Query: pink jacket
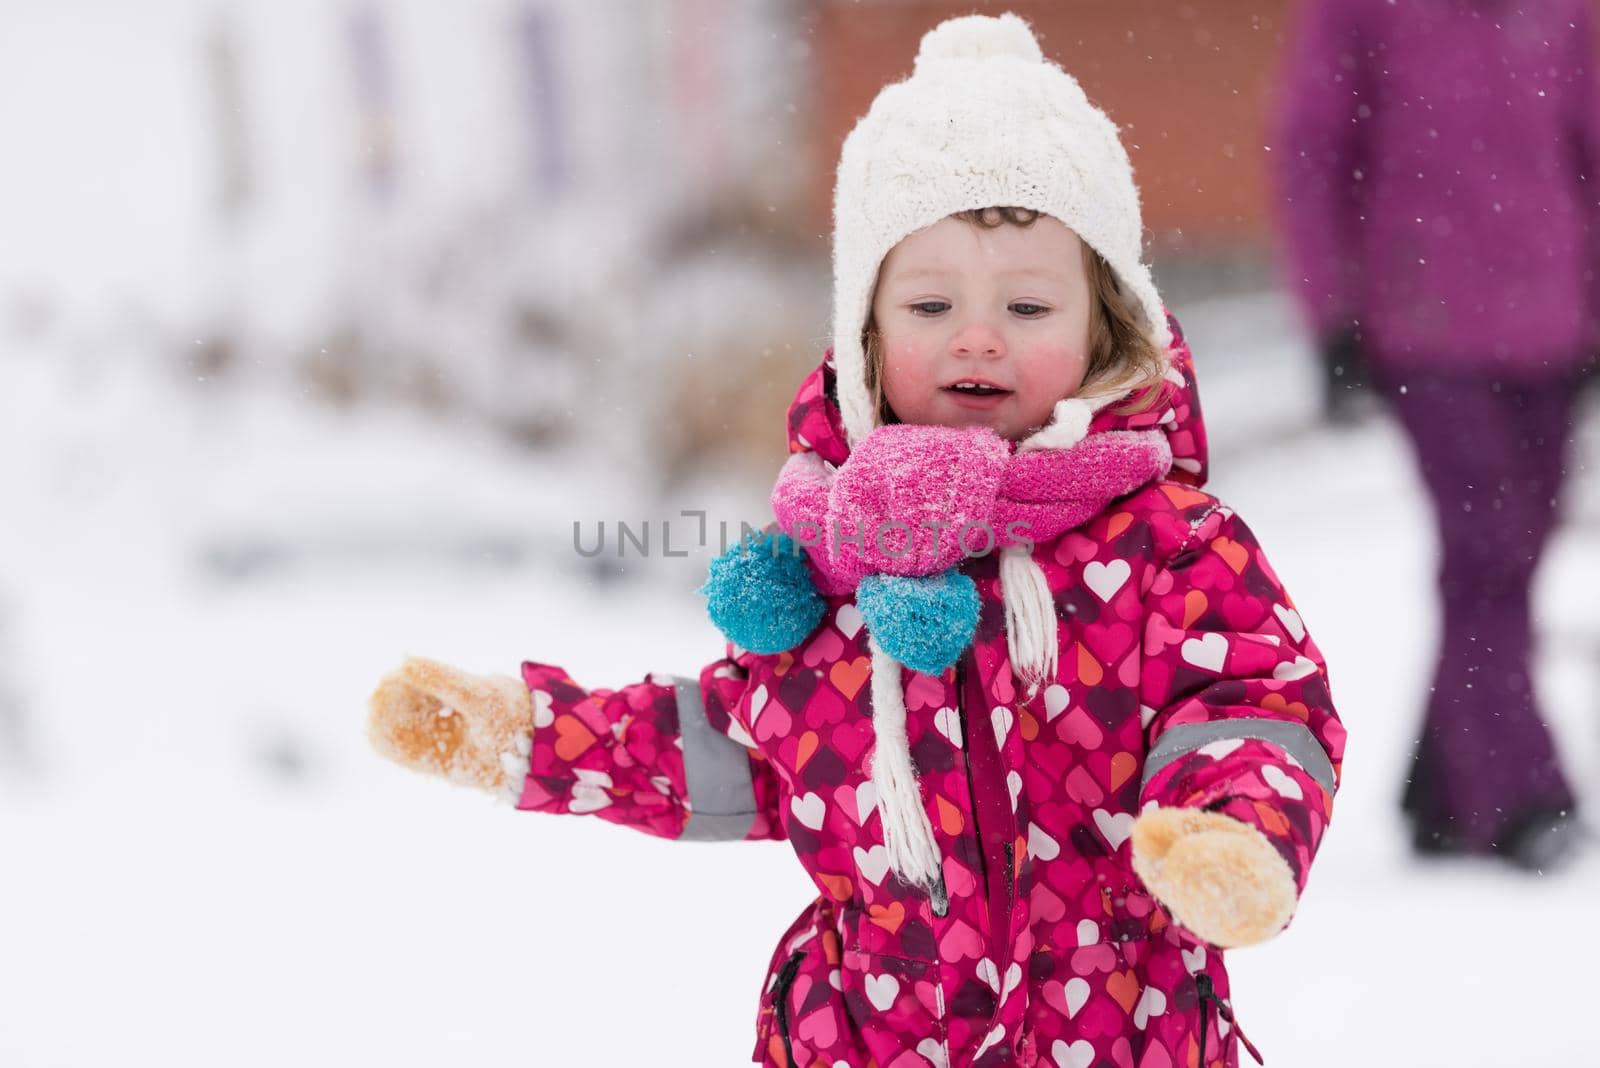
1186 678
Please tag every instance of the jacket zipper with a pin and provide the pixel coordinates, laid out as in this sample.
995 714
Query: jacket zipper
966 761
972 794
780 1001
1208 992
1011 863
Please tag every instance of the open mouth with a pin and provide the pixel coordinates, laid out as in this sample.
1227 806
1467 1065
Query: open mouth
975 389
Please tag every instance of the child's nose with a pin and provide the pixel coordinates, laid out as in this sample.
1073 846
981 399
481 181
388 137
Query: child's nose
978 337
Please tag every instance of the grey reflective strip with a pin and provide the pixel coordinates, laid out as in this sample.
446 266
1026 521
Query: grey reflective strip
721 795
1295 739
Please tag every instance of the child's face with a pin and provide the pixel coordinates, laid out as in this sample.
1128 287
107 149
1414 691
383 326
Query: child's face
1007 309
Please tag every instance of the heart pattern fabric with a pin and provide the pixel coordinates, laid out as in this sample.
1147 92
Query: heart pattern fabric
1051 951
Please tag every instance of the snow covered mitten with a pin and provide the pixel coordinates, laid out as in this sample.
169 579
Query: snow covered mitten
1218 877
475 730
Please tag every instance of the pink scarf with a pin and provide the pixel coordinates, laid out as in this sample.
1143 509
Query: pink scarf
917 500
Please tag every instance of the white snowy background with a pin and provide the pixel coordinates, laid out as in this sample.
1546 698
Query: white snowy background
201 579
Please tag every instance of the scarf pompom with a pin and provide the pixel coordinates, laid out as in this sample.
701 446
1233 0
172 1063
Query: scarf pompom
759 594
924 623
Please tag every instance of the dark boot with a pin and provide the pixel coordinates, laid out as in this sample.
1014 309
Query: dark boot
1543 841
1345 386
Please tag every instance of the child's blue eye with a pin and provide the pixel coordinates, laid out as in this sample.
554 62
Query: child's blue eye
930 307
1030 311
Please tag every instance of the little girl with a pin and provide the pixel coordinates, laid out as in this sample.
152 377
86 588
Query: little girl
1034 711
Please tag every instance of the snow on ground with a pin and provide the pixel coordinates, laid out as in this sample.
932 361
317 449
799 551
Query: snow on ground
204 864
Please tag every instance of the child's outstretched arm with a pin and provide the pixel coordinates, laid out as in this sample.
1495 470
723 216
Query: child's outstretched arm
1244 743
664 756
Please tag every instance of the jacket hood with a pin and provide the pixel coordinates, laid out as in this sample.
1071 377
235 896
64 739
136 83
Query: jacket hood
815 424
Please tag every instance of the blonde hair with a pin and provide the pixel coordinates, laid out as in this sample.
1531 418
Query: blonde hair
1122 356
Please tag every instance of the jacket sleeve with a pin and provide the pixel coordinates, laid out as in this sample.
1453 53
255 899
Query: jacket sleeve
1317 157
664 756
1239 719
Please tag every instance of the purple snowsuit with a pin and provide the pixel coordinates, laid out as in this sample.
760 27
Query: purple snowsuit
1437 159
1437 162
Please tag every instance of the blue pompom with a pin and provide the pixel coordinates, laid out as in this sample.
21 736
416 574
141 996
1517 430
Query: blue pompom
925 623
759 594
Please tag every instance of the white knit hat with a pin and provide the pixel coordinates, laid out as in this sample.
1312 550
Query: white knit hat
983 121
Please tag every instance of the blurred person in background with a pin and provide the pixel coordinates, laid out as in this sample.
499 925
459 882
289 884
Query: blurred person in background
1435 161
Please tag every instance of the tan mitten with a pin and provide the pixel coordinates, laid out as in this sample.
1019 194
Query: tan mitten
472 729
1218 877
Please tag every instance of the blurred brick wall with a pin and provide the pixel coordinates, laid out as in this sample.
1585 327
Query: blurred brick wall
1187 83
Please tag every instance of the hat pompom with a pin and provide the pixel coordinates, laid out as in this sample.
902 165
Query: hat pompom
980 37
760 596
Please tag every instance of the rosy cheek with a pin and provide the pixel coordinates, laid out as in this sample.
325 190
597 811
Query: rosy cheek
1074 360
903 350
905 363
